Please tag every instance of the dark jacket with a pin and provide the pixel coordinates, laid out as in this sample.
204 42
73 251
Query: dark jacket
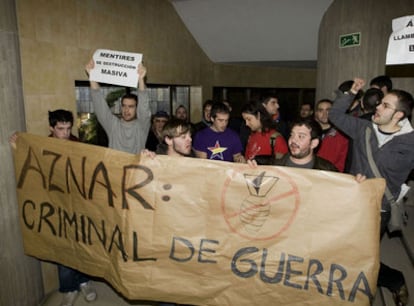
394 158
319 163
200 126
152 141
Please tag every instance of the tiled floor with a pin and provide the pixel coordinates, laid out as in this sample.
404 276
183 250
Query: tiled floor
393 254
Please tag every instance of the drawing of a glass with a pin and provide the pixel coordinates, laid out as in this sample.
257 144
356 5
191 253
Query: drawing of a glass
255 209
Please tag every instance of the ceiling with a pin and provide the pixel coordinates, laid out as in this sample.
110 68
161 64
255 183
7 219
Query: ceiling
281 33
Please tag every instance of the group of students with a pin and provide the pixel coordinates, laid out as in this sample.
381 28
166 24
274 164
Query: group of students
330 136
263 138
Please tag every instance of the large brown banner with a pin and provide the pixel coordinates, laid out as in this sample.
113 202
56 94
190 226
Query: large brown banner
197 231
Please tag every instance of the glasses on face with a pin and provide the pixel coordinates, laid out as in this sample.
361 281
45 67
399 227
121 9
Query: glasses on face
386 106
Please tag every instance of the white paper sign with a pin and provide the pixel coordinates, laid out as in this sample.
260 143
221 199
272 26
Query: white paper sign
401 43
116 67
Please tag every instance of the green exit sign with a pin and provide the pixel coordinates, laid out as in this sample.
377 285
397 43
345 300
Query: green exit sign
350 40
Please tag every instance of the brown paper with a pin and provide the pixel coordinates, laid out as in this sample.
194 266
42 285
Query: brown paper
200 232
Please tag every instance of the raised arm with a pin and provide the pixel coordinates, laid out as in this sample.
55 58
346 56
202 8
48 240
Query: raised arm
89 66
143 109
101 108
347 123
357 85
142 72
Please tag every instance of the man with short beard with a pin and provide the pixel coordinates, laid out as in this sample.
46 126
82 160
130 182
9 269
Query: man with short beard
303 141
390 137
177 140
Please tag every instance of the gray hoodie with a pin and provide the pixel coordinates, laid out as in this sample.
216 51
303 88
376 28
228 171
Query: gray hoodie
393 154
124 136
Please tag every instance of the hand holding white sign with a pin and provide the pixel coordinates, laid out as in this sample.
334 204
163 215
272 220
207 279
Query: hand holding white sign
116 67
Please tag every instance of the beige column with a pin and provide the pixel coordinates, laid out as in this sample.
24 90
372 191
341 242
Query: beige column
21 281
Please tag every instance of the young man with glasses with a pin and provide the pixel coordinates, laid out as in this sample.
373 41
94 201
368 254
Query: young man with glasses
392 146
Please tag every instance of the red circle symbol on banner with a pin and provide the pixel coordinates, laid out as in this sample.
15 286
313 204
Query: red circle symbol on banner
264 208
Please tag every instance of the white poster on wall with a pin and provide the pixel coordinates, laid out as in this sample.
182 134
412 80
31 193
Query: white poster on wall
116 67
401 42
